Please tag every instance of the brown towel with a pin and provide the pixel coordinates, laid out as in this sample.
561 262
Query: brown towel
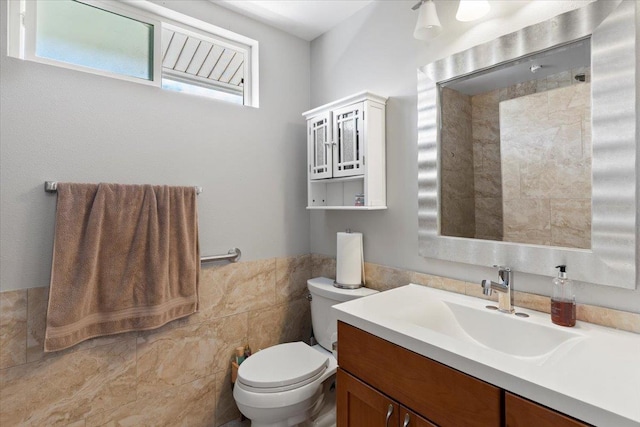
125 258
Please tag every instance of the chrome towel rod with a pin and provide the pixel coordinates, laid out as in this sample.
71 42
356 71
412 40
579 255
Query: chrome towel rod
52 187
232 256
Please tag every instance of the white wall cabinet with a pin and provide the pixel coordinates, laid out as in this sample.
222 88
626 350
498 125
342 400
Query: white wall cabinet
346 154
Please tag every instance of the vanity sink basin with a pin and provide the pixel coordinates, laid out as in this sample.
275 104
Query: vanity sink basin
510 334
467 320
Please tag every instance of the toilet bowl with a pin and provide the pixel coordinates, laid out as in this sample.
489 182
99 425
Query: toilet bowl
283 387
292 384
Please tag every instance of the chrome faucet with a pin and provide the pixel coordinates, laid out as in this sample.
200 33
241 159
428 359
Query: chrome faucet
504 285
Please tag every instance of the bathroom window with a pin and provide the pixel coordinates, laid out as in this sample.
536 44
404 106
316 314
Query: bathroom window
140 42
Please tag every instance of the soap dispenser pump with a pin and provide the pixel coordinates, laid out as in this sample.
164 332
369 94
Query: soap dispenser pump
563 302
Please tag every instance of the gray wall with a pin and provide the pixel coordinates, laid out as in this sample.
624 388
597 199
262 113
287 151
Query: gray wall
375 50
64 125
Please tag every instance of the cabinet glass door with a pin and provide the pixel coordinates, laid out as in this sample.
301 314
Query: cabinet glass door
348 152
319 134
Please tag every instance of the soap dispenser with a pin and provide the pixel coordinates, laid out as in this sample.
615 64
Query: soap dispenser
563 302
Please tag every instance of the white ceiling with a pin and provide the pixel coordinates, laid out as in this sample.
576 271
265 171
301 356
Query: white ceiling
306 19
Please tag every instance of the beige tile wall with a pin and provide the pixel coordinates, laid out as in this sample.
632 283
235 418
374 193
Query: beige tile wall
475 179
457 192
179 374
487 172
545 149
175 375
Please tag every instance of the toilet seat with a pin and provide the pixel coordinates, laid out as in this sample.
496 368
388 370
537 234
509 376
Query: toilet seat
282 367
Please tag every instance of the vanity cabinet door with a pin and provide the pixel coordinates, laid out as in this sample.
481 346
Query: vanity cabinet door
359 405
411 419
445 396
524 413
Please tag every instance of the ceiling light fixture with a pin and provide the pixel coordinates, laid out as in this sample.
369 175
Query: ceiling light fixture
428 25
470 10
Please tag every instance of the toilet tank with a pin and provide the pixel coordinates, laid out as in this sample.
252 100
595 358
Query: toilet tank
323 296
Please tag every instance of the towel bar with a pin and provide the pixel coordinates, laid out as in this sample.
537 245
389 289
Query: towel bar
52 187
232 256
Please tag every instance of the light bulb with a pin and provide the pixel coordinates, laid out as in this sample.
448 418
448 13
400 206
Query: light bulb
470 10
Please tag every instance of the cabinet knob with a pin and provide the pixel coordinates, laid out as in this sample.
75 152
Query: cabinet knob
407 418
389 412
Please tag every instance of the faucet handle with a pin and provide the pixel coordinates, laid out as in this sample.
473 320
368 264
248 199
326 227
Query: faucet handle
504 274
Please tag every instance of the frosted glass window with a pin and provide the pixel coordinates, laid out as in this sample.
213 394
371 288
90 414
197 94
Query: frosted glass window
138 41
83 35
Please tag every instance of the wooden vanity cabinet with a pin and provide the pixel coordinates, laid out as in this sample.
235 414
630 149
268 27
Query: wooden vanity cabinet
375 375
443 396
521 412
364 406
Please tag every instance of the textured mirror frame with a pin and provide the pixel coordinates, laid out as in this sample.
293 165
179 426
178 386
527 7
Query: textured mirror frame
612 259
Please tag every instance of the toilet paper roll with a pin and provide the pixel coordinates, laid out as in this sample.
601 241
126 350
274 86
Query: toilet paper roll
349 259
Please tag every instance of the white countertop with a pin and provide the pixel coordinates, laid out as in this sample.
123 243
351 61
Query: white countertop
595 378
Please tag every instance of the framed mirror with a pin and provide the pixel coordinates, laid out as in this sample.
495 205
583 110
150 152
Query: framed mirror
527 152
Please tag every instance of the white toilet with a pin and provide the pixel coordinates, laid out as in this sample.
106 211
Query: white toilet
293 383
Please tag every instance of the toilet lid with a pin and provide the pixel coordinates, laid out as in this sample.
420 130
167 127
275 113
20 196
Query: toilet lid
282 365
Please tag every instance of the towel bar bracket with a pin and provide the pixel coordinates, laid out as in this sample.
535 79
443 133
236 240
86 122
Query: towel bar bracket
50 186
233 255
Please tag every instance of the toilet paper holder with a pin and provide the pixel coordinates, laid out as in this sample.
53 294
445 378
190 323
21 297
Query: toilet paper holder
349 260
341 286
